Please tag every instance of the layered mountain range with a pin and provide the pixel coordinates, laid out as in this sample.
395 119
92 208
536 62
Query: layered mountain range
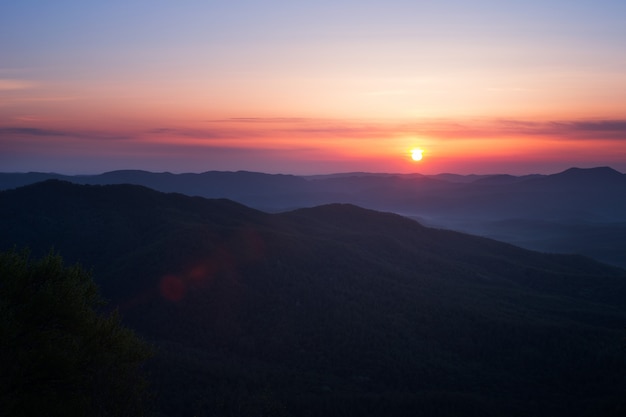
336 309
576 211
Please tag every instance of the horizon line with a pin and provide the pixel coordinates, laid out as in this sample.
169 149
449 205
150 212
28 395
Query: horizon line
347 173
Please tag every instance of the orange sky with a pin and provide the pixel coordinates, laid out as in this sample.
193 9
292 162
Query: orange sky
327 87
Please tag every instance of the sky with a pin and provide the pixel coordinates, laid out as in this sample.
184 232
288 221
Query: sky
483 86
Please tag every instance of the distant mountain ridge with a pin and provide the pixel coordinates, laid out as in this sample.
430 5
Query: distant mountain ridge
498 206
335 309
279 191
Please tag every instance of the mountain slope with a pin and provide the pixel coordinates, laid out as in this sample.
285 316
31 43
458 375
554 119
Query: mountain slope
584 210
594 193
252 188
336 309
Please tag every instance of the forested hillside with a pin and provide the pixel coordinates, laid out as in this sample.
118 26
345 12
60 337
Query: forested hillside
336 310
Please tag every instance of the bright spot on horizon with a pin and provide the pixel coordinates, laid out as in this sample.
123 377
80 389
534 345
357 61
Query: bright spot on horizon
417 154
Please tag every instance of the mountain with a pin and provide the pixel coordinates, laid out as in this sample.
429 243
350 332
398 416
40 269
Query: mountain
584 210
255 189
336 309
576 211
588 176
595 194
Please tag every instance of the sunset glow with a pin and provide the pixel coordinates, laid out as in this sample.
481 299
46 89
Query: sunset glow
317 88
417 154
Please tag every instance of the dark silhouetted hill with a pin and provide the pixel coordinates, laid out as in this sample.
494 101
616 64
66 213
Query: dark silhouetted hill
336 310
581 204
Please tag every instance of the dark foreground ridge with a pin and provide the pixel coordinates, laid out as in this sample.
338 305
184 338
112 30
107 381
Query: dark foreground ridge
335 310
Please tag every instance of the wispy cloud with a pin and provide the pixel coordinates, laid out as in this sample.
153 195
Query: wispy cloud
44 99
611 129
208 133
499 128
26 91
443 129
299 132
593 126
30 119
32 131
279 128
266 120
8 84
7 132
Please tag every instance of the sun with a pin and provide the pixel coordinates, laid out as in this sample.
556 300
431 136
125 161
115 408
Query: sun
417 154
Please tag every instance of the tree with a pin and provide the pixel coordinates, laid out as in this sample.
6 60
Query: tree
60 354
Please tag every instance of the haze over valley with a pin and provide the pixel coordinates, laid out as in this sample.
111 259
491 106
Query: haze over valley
575 211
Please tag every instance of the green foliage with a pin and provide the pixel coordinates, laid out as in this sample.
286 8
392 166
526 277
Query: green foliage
59 354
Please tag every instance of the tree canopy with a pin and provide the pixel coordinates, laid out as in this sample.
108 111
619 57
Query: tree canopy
60 353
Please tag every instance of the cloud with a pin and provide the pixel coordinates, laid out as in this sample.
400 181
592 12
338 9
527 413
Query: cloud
44 99
32 131
268 120
592 126
38 132
7 84
293 130
23 91
217 133
302 133
612 129
499 129
279 129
